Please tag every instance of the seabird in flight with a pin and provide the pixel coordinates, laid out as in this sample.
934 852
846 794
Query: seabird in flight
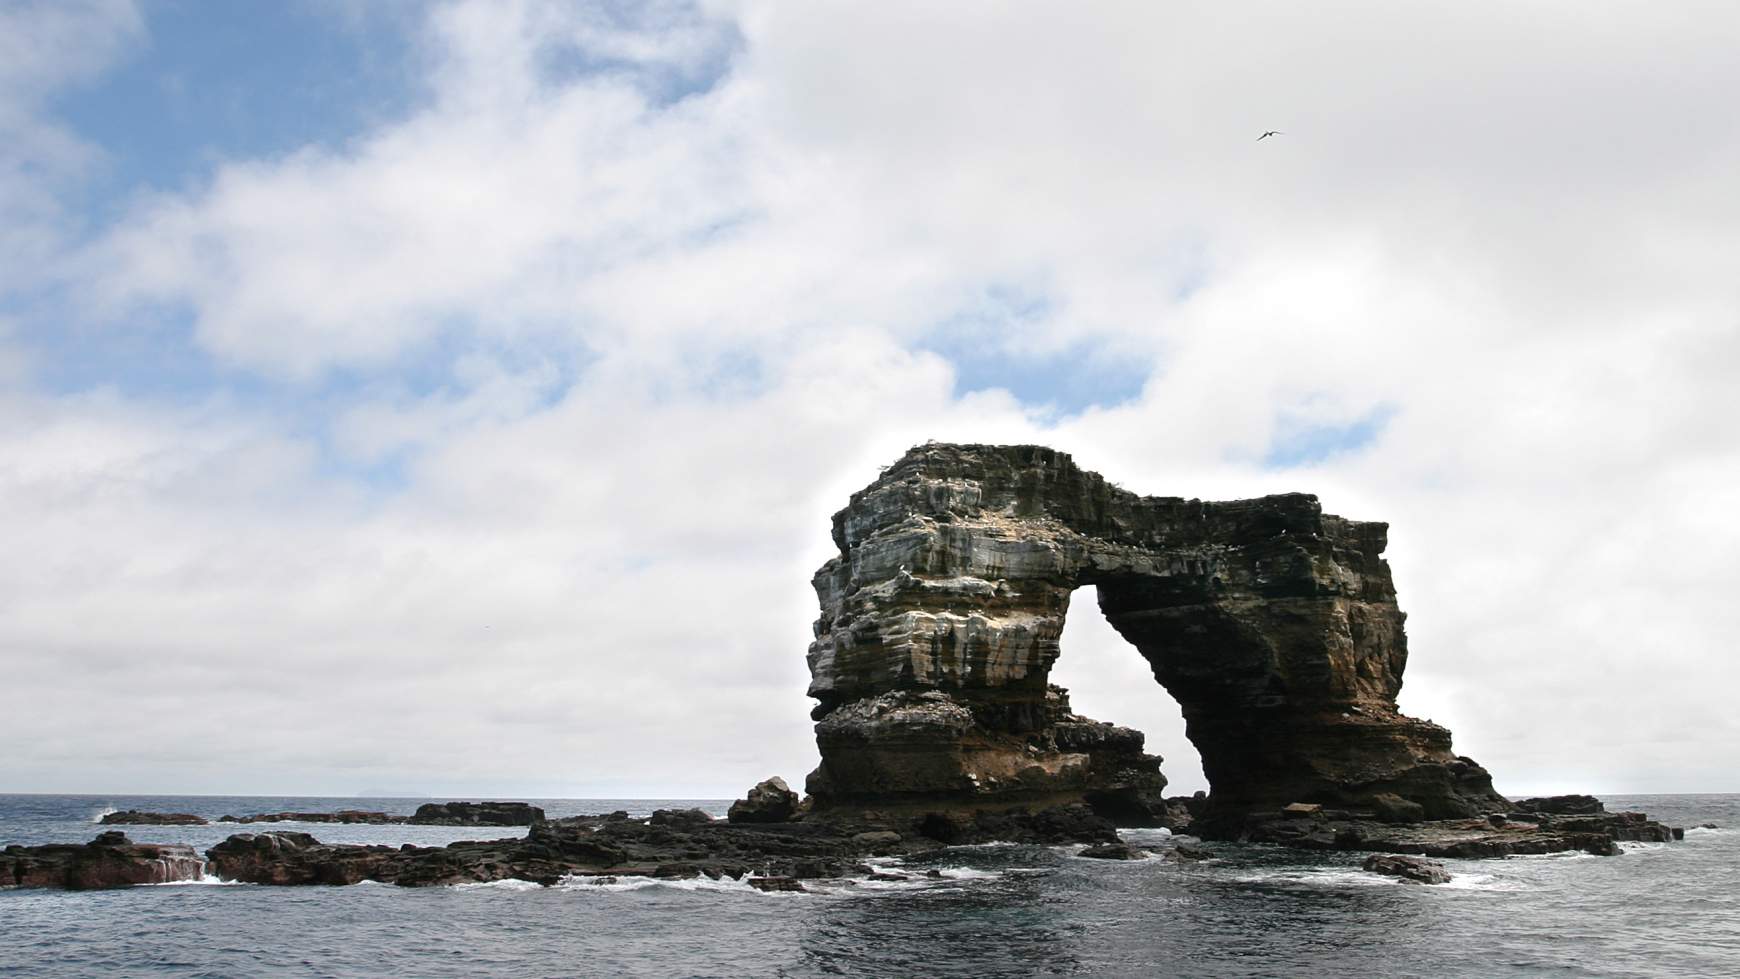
1272 132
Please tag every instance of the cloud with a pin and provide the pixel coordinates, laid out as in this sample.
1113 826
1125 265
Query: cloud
633 302
44 48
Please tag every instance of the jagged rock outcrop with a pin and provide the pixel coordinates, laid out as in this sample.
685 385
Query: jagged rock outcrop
1273 624
110 860
770 801
1562 805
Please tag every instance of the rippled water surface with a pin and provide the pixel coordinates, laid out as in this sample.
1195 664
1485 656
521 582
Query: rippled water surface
1658 910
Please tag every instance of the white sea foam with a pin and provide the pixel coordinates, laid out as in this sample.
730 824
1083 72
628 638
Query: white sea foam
1705 830
1349 877
106 810
1561 855
607 885
966 873
1633 846
206 880
1481 882
506 884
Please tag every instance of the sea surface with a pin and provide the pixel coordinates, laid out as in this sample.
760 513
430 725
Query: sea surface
998 910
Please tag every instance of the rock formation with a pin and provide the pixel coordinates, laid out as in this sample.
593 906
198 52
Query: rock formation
770 801
1411 869
136 817
678 844
1273 624
347 816
476 814
110 860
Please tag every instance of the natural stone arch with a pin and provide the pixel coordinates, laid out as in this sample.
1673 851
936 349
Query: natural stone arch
1273 624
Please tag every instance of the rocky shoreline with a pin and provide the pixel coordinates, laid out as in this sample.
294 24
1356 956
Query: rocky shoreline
779 852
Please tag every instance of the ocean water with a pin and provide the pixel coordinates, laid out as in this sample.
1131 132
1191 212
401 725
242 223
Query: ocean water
998 910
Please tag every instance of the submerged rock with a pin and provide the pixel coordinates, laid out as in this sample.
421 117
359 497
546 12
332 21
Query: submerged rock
1185 853
110 860
1113 851
1408 868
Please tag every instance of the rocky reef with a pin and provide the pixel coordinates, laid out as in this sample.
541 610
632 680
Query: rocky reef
344 816
1273 624
110 860
136 817
476 814
773 854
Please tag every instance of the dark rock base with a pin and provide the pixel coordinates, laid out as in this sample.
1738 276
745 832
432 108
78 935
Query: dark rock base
110 860
1519 833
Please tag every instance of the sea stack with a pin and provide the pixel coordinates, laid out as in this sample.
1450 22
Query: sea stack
1273 624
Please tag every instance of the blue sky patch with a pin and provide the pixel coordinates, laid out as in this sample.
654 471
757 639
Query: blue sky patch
1297 443
221 81
980 344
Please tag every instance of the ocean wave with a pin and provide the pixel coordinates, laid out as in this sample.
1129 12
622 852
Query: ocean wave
1633 846
609 885
207 880
106 810
1481 882
1074 852
505 884
1328 877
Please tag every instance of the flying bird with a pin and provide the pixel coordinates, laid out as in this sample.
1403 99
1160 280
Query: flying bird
1272 132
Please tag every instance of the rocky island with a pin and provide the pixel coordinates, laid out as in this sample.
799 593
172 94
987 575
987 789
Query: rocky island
1273 624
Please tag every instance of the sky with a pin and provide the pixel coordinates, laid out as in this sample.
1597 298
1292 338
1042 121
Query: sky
451 398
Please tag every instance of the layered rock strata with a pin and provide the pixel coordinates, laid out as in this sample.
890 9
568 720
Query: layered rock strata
1273 624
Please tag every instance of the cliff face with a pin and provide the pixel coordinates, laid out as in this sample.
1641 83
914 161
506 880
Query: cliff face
1273 624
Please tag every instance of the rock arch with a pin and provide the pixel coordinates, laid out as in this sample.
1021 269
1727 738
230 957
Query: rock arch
1273 624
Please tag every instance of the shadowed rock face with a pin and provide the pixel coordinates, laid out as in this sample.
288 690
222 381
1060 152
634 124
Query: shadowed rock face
1273 624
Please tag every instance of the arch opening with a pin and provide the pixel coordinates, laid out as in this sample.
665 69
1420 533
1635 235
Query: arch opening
1109 679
